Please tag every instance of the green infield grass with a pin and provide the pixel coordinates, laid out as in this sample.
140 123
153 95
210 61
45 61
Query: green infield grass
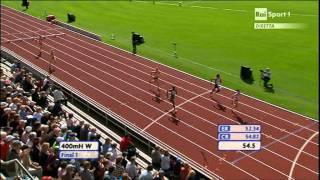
212 37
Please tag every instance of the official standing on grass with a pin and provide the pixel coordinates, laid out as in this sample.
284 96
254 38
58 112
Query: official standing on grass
134 43
25 3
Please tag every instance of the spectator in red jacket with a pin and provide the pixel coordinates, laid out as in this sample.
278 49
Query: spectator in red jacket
5 143
125 142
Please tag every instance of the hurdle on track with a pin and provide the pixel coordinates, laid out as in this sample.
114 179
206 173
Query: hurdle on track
32 38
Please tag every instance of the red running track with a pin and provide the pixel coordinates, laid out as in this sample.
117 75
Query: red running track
119 81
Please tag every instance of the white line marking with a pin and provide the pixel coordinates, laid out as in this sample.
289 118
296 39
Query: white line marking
158 118
299 153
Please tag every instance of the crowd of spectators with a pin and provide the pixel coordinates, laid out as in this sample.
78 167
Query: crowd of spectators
32 127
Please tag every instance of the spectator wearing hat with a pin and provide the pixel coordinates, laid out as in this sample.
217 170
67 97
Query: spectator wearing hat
3 105
32 167
132 168
25 134
32 135
14 153
6 141
156 158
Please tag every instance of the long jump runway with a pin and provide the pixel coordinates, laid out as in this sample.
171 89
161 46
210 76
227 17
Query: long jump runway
119 81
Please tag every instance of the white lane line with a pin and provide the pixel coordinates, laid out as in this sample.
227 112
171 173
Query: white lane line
164 114
299 153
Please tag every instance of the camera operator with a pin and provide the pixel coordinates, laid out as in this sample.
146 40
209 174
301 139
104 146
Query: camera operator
265 76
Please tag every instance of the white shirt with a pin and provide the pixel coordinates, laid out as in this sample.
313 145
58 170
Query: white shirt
57 95
145 175
165 162
37 115
131 169
114 154
267 74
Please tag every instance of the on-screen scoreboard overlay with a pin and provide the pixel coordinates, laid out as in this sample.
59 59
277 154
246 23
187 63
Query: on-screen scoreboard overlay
239 137
78 150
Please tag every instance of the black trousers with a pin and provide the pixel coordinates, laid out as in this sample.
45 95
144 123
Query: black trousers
265 81
134 48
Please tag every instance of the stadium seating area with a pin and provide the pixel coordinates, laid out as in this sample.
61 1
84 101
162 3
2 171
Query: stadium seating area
35 118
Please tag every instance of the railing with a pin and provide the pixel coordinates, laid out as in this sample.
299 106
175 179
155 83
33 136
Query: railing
19 170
